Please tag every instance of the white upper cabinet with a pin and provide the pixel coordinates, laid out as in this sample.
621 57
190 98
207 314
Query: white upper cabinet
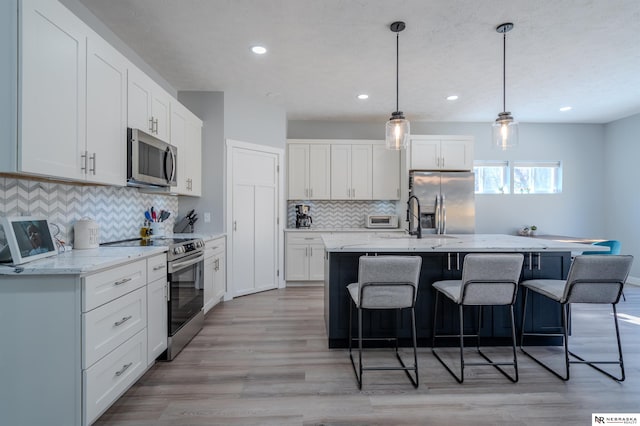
53 98
351 177
441 153
106 113
186 135
73 98
149 106
386 173
309 171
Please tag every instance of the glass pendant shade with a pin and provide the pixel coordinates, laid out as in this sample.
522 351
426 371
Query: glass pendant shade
397 128
505 131
397 132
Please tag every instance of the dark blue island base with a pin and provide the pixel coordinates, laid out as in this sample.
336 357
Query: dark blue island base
543 315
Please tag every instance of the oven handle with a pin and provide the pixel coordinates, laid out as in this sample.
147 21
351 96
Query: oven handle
174 266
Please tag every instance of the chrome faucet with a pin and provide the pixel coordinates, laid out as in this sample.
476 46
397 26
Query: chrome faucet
418 231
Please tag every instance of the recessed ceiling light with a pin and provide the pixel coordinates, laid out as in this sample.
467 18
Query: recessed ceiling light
363 96
452 97
259 50
565 109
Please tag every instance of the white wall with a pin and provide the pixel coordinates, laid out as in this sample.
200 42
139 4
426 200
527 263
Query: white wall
622 196
254 120
577 211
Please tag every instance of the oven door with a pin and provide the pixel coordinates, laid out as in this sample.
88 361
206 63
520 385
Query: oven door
186 296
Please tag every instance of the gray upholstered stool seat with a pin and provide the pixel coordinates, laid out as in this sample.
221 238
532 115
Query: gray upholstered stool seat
487 280
385 282
591 279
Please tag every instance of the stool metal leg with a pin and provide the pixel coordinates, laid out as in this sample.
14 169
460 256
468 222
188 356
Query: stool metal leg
565 342
461 336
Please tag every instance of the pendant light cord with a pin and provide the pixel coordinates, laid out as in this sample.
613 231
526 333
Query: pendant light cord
504 71
397 69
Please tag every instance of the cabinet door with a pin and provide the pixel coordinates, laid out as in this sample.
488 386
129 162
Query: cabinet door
161 112
209 280
456 155
386 173
425 154
361 177
179 140
220 281
157 327
341 172
319 172
53 81
316 262
139 100
194 154
297 165
106 113
297 268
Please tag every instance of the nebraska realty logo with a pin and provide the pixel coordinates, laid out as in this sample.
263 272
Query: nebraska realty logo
615 419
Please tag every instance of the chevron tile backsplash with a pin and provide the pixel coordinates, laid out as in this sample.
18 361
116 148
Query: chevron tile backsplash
118 210
339 214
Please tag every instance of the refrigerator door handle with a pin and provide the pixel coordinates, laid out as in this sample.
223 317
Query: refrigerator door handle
437 224
443 207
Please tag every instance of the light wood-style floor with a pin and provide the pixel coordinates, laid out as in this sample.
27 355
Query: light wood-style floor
263 360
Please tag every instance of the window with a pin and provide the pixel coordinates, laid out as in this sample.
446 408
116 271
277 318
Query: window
492 177
537 177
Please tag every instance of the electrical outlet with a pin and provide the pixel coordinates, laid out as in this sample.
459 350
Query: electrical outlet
207 217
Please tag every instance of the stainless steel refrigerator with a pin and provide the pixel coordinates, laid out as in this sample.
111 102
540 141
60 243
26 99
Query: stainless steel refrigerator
447 202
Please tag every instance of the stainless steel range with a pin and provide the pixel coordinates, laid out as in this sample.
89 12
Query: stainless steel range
185 264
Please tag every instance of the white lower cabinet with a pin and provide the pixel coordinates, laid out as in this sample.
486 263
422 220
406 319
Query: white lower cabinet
108 378
215 282
304 257
157 319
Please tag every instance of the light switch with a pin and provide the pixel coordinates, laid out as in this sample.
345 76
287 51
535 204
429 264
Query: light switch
207 217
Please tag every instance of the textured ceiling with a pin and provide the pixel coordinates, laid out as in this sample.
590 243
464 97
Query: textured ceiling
322 53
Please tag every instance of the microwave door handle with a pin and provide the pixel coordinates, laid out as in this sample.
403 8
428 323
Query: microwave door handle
169 176
437 224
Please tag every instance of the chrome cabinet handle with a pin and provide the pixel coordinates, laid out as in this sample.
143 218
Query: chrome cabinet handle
93 159
155 126
235 225
125 280
124 368
151 124
83 157
122 321
157 268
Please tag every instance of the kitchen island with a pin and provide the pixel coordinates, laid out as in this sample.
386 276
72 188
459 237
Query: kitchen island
442 258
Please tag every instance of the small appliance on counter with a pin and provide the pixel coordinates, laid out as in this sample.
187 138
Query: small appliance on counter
86 234
385 221
303 220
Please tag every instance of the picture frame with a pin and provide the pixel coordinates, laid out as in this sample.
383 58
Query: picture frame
28 238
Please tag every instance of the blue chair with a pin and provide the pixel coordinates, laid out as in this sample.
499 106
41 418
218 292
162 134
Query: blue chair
614 246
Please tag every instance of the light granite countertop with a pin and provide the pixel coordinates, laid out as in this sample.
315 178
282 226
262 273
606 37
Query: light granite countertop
82 262
447 243
325 230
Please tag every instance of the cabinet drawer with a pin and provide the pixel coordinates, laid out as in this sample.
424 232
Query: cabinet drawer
108 326
105 381
157 267
108 285
304 239
215 244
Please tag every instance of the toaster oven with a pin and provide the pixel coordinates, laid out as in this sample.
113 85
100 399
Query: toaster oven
381 221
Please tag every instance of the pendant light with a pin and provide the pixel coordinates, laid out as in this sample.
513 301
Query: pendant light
397 128
505 128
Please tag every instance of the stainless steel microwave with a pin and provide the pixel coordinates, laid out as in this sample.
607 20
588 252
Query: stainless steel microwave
150 161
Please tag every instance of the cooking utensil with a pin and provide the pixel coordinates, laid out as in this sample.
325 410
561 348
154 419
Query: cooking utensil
147 215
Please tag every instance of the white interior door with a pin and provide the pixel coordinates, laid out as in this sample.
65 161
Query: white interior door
254 219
